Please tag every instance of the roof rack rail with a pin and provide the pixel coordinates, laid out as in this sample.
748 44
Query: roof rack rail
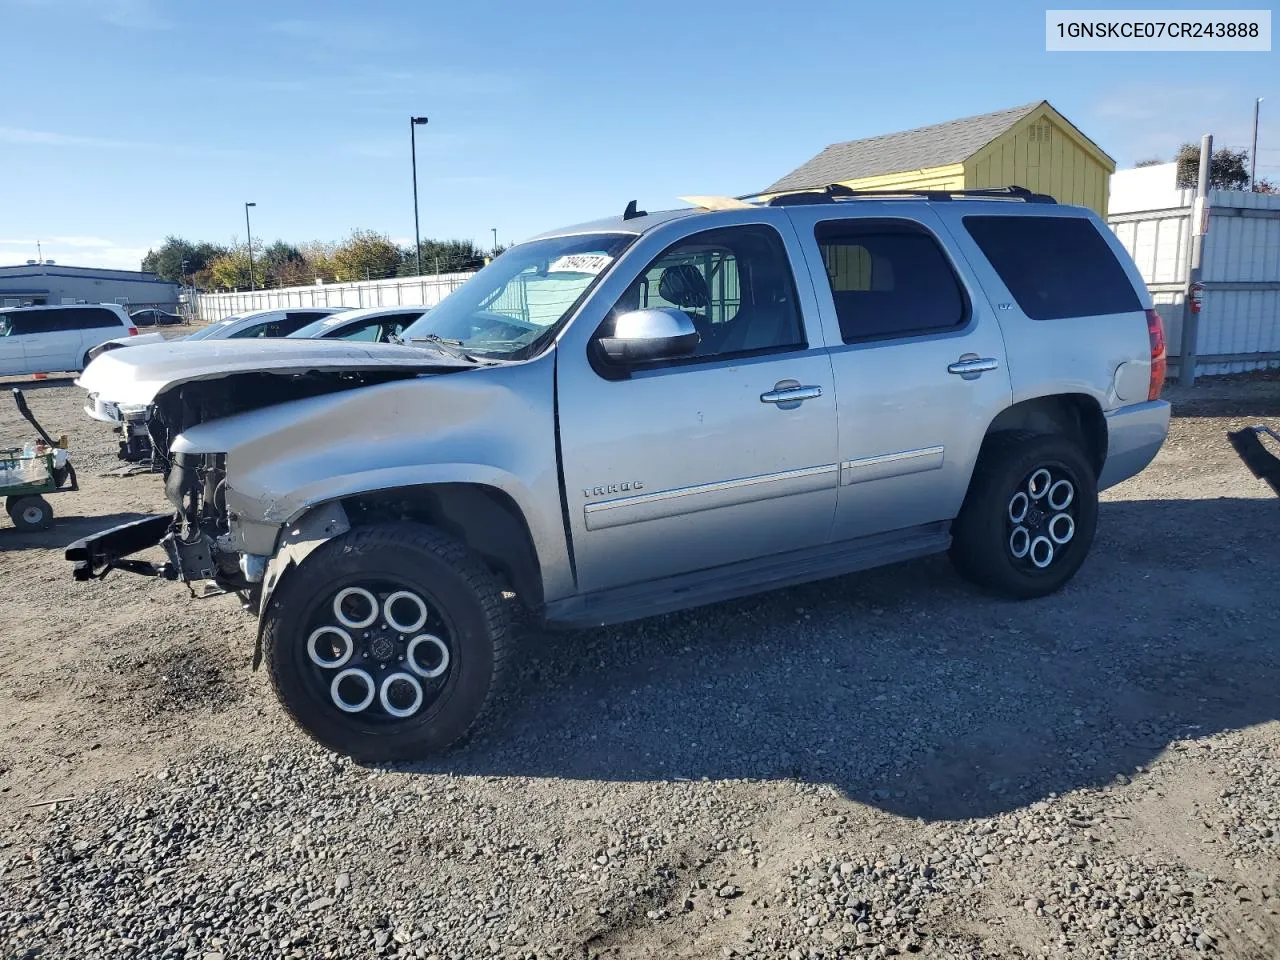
838 191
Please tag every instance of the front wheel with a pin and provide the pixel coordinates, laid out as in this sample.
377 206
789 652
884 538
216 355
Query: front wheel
387 643
1029 518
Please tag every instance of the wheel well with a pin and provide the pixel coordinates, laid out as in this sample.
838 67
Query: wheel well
485 519
1075 415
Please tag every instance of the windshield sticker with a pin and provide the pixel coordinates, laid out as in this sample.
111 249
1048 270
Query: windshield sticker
591 263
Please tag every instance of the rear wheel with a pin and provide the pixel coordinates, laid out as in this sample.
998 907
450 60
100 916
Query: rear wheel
29 513
387 643
1029 518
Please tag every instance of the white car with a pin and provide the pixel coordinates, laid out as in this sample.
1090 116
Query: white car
365 325
257 323
373 324
50 338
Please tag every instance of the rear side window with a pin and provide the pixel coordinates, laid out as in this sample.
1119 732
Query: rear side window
1055 267
93 317
267 328
889 278
293 322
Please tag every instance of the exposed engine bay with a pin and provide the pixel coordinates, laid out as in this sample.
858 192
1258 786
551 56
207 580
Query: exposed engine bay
197 537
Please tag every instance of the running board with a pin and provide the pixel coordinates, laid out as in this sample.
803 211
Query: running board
685 590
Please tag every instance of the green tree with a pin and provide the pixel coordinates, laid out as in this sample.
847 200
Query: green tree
166 262
1228 169
366 255
231 270
284 266
446 256
319 259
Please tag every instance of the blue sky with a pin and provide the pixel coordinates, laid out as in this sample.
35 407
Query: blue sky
126 120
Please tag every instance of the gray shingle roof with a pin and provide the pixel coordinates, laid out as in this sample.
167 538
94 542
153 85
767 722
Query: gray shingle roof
932 146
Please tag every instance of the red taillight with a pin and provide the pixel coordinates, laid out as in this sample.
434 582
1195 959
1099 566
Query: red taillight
133 331
1159 355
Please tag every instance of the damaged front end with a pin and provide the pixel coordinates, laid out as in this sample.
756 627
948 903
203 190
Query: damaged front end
203 540
196 538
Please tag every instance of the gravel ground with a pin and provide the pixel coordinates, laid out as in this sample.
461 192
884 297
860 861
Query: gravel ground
883 764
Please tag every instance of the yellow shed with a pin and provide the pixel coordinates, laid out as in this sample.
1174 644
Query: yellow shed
1031 146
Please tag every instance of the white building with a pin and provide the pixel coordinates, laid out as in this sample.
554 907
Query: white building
50 283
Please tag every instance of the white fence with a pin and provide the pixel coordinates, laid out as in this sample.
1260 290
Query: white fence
397 291
1239 326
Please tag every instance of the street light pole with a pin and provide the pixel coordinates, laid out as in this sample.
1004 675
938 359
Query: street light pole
249 237
415 122
1253 154
495 240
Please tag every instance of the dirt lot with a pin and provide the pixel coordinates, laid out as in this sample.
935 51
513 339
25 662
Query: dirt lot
885 763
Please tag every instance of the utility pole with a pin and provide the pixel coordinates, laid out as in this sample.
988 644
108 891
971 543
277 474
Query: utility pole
495 240
1199 223
249 237
1253 154
414 123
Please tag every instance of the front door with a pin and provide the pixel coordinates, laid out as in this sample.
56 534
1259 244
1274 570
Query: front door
727 455
919 363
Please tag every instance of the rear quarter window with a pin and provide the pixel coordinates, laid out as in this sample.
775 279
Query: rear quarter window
1055 267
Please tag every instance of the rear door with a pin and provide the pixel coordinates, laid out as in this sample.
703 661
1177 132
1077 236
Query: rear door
918 358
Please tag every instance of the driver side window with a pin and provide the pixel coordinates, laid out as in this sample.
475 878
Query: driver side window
734 283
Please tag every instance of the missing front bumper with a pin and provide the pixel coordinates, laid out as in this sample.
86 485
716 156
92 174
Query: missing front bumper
97 555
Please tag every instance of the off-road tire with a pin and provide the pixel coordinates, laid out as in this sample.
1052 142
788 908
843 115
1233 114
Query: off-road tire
980 547
29 513
450 577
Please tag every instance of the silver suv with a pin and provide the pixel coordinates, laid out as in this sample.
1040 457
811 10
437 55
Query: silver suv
643 414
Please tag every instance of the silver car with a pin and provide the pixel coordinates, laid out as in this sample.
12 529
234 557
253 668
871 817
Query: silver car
646 413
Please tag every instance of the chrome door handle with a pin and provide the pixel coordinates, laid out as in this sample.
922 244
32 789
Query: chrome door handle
972 366
791 394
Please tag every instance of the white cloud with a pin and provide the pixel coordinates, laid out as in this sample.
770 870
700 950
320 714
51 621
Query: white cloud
128 14
74 252
49 138
1153 121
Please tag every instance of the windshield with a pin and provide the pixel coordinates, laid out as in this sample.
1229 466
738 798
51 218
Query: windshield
211 329
506 309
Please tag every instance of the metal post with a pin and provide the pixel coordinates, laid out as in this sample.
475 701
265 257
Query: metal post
1253 154
249 237
495 240
1199 218
413 154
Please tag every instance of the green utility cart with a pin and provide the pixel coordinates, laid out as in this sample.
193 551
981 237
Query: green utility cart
26 477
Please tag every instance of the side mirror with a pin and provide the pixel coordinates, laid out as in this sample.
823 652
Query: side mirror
655 334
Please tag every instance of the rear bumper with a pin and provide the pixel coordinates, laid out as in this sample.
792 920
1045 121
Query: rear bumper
1134 436
96 555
